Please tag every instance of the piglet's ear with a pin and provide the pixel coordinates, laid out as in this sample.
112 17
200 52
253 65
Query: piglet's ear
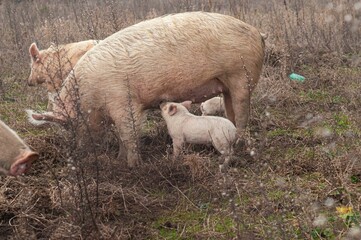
187 104
34 51
172 110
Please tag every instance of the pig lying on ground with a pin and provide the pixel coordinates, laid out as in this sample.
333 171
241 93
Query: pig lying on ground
185 56
212 106
15 156
185 127
51 66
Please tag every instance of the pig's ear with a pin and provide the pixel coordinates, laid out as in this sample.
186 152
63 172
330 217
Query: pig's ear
187 104
34 52
172 110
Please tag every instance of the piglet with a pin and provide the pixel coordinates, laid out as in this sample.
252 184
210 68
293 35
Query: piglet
186 127
212 106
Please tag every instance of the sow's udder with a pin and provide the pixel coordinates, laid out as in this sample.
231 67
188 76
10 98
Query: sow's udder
196 94
202 93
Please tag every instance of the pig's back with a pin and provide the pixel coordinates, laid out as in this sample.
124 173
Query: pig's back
187 40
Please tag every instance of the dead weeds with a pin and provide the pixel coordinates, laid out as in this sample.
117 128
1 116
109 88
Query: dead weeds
297 176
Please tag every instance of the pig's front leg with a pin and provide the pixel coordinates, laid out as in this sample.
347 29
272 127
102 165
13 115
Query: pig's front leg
177 147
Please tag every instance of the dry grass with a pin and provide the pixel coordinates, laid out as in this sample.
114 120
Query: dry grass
305 135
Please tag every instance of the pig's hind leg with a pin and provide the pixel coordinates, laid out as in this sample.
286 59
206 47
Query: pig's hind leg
127 122
237 100
224 147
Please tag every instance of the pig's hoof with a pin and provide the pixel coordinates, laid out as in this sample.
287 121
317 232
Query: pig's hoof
133 162
177 158
223 168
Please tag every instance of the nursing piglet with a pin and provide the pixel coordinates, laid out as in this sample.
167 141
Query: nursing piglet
186 127
212 106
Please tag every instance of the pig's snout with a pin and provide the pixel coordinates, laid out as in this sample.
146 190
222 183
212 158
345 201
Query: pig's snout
23 163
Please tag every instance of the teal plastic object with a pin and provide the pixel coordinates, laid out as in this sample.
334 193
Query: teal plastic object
297 77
